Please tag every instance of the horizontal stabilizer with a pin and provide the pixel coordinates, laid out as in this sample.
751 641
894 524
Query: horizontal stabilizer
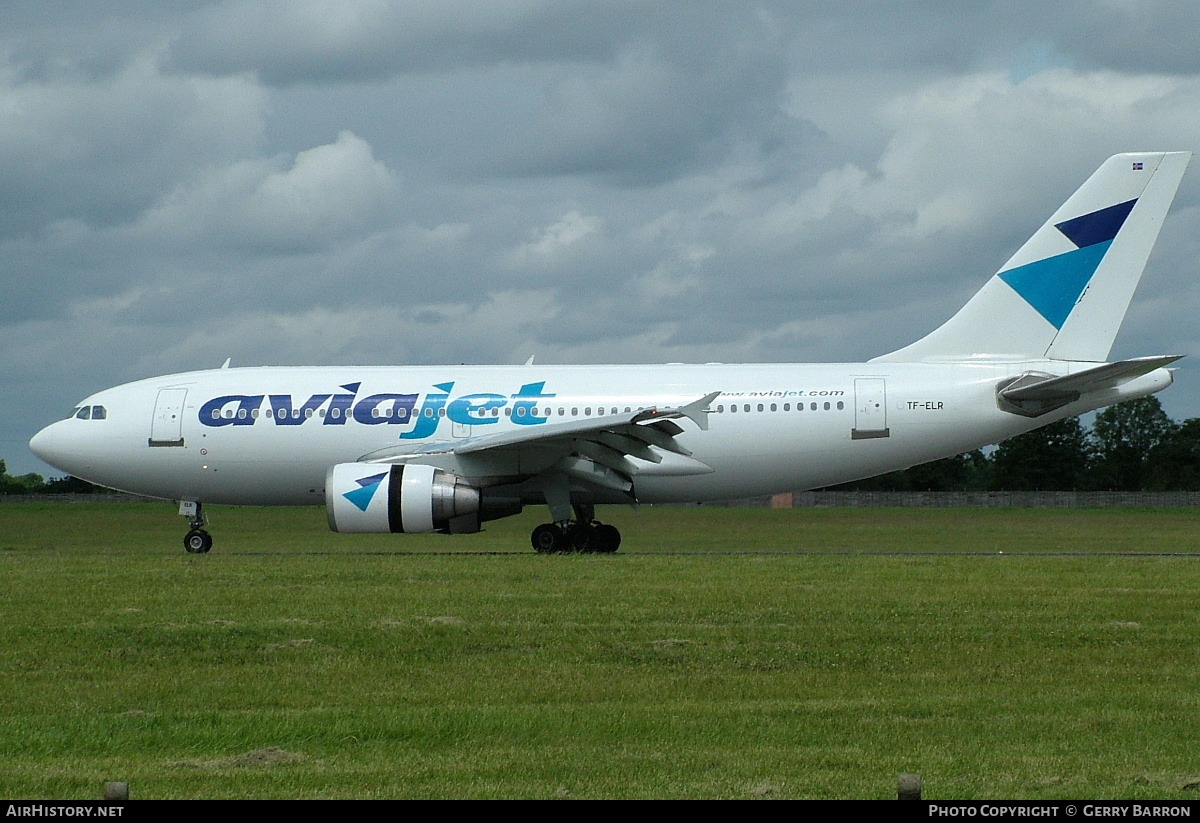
1035 393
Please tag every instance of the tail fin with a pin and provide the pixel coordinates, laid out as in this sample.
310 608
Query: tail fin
1064 294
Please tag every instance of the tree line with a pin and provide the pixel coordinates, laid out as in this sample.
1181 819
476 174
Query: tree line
1132 446
36 484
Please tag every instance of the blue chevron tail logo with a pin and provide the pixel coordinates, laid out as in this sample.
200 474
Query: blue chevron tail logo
362 497
1053 285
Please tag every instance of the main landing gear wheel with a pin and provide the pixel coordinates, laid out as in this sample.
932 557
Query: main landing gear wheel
197 541
584 538
548 538
607 539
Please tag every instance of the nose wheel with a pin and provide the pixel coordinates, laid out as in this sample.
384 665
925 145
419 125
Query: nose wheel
197 540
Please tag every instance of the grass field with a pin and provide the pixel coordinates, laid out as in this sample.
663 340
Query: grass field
723 653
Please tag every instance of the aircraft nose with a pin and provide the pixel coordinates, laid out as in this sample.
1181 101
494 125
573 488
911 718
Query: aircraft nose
48 445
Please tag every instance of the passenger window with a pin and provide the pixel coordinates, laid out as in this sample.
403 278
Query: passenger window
746 407
84 413
812 406
720 409
787 406
826 405
841 405
760 406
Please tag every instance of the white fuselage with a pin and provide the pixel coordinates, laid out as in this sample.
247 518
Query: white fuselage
269 435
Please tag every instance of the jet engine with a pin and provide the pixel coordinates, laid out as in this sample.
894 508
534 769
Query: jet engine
408 499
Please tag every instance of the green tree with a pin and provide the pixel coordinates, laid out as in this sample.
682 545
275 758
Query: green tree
1173 464
25 484
1123 437
70 485
962 472
1052 458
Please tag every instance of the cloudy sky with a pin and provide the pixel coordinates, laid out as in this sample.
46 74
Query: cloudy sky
366 182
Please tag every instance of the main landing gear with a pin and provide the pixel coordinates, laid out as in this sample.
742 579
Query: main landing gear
585 534
554 538
196 541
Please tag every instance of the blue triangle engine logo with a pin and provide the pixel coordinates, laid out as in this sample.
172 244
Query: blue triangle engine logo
361 497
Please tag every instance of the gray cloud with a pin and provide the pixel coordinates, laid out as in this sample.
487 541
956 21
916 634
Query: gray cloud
370 182
286 42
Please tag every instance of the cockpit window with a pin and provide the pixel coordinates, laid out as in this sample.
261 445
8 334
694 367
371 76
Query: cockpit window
74 412
90 413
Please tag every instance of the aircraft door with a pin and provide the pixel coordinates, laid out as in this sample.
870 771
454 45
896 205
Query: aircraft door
870 409
166 428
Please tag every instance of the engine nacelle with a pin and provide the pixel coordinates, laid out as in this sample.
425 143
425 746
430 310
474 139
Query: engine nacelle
410 499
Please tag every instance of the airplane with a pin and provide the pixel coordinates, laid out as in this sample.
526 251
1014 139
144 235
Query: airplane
445 449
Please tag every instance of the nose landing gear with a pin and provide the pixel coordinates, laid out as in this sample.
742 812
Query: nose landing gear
197 540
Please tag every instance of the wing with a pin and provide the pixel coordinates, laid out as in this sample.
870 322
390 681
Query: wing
608 452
